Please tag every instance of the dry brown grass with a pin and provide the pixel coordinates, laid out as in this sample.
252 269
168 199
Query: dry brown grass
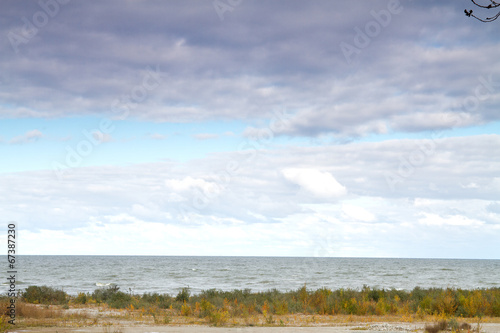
34 315
33 311
37 312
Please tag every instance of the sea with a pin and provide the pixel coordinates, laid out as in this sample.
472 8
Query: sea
169 274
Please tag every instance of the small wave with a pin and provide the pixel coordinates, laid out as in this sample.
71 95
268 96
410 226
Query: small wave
8 283
99 284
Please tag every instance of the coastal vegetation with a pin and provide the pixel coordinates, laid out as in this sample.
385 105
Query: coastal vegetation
367 301
273 307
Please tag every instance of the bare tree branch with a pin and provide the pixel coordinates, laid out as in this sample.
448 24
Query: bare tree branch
492 4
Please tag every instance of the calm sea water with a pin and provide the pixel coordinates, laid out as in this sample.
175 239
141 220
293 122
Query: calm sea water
170 274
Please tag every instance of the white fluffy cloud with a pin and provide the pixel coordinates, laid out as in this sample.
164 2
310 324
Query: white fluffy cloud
453 220
269 208
188 183
320 184
357 213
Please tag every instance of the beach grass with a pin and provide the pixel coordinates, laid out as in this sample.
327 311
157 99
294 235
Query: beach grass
45 306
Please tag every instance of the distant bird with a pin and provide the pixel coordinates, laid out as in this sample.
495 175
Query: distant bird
468 13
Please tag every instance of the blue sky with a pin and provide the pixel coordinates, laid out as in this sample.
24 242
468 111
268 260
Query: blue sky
154 142
150 142
281 128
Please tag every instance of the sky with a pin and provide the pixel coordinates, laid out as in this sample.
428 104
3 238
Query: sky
250 128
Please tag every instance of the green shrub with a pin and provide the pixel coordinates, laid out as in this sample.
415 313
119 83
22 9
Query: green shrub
219 317
183 295
162 301
375 294
80 299
351 306
44 295
209 294
280 307
206 308
120 300
495 306
104 294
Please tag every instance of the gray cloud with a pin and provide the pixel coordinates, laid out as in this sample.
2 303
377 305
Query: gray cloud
263 55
